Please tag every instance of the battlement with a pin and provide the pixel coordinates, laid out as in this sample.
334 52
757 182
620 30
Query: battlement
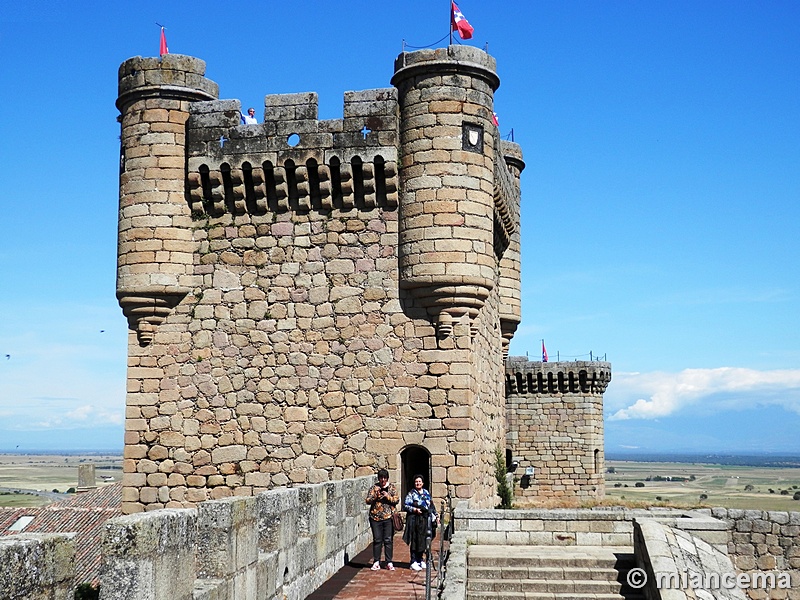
149 77
293 161
524 376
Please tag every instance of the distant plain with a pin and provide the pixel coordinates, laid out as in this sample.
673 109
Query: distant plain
731 486
49 472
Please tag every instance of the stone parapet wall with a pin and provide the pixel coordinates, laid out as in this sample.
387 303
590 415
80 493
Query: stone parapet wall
763 541
613 526
579 527
665 554
37 567
280 544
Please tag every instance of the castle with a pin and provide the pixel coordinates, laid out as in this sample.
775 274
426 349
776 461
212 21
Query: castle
310 300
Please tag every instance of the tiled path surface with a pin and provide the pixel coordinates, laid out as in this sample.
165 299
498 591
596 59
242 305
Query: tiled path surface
355 581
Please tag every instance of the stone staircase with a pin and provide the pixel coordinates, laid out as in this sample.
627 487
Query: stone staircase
549 573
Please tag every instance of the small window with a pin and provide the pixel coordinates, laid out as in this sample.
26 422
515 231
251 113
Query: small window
21 523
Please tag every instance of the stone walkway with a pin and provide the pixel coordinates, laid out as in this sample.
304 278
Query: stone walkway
355 581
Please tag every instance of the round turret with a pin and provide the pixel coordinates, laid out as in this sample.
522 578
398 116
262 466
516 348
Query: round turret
510 263
447 136
155 248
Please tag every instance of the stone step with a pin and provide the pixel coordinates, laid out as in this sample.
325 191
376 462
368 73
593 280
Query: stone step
472 595
550 556
549 573
537 572
560 586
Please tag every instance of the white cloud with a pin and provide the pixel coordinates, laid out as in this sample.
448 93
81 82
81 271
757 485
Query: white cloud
658 394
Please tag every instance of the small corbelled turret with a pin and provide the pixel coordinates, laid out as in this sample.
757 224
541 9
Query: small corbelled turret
155 251
447 213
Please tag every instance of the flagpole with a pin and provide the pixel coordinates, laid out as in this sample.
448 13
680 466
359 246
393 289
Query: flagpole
450 21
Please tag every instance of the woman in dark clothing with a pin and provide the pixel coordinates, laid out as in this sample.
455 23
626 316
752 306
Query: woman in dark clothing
382 498
419 506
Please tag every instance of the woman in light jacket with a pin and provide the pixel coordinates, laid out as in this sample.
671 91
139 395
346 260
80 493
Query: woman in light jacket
419 506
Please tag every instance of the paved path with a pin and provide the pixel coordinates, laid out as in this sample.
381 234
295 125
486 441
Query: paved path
355 581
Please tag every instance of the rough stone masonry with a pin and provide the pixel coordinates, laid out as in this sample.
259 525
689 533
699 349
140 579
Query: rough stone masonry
310 299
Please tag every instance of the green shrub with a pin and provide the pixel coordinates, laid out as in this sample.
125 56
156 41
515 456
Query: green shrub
503 490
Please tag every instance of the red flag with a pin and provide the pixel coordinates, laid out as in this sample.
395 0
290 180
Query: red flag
544 352
163 47
459 23
495 120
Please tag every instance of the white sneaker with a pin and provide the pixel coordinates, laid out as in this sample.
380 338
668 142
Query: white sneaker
422 564
376 566
415 567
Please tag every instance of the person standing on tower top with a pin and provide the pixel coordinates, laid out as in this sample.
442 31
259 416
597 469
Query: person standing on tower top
250 117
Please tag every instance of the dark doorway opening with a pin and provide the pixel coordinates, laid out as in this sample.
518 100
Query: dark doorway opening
415 460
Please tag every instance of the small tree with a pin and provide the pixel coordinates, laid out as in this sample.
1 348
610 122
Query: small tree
748 488
503 489
796 496
703 496
639 484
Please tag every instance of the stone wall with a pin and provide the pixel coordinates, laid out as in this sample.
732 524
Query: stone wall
608 526
605 526
37 567
665 554
304 309
761 541
282 544
554 416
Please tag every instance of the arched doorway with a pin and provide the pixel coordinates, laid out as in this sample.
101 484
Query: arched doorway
414 460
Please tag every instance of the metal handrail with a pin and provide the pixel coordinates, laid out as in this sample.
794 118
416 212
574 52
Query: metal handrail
446 532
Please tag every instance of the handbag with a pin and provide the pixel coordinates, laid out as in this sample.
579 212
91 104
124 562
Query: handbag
397 521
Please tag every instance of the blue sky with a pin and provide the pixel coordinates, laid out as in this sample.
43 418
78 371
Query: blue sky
660 199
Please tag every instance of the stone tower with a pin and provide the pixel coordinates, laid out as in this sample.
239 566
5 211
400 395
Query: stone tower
154 268
554 415
310 300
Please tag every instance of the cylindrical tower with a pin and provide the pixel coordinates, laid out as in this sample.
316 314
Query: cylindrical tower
510 263
446 235
554 419
155 249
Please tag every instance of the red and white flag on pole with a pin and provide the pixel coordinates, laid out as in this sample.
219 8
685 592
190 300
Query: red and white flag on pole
544 352
162 50
495 120
459 23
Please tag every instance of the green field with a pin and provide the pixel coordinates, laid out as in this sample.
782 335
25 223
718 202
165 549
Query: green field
11 500
724 485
